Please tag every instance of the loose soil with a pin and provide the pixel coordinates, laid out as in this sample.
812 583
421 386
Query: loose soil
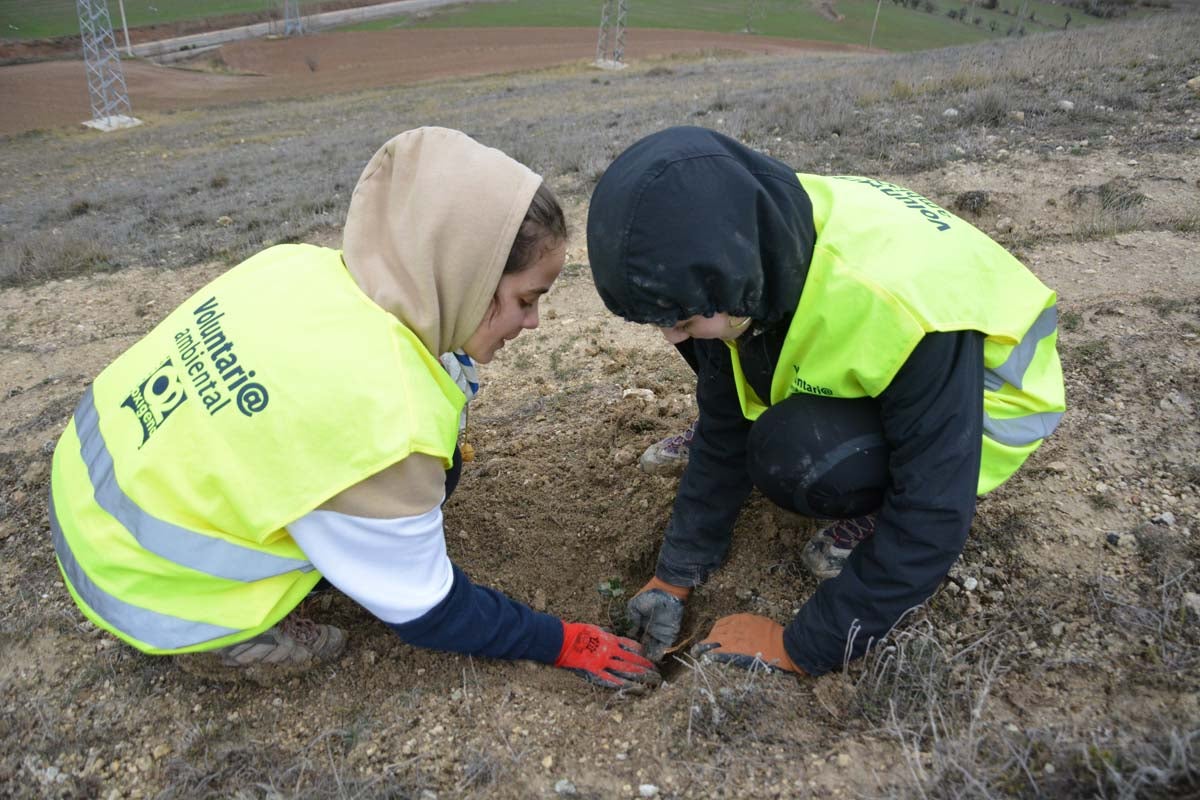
53 93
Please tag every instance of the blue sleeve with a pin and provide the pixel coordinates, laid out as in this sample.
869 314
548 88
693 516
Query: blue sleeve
476 620
933 422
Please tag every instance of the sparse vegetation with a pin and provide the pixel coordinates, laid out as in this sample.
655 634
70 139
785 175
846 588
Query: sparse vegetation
571 129
50 256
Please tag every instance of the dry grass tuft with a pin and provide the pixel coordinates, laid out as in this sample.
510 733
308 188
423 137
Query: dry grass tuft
935 700
52 255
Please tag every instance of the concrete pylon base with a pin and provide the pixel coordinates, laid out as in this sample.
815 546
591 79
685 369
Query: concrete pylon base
609 64
114 123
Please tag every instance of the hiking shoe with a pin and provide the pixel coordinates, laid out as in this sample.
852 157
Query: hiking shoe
827 551
294 645
669 456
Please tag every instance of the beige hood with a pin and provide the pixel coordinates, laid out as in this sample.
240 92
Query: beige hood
430 225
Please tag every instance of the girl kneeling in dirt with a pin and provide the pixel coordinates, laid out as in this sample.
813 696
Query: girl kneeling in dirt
292 420
861 355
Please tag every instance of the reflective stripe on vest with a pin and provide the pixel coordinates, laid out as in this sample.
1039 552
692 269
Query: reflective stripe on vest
207 554
1012 371
159 630
1019 431
1027 429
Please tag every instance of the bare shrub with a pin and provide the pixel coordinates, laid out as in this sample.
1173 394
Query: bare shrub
1100 223
1113 207
932 696
902 91
48 256
1166 767
971 202
480 769
1169 628
80 206
964 79
217 767
988 107
728 703
808 117
1119 194
720 101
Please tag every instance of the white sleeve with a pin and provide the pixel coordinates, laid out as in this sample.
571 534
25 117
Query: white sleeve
395 568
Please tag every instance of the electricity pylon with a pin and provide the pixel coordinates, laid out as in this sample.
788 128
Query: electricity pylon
612 32
292 24
106 80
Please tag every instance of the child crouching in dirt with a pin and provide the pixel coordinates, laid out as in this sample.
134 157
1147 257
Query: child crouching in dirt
292 420
861 355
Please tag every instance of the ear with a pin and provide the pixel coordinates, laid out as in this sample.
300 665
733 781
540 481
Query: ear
493 307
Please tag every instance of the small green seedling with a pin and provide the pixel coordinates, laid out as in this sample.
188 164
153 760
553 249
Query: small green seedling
613 592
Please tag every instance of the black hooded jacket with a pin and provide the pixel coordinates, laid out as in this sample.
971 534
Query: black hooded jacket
687 222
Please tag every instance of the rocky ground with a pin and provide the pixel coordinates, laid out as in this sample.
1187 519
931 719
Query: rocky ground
1060 659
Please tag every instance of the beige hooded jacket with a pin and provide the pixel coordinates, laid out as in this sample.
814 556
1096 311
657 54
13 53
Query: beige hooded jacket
430 226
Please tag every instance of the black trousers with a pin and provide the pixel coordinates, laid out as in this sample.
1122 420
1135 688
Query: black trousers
817 456
820 456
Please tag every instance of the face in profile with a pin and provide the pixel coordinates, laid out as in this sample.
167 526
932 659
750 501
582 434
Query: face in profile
718 326
514 307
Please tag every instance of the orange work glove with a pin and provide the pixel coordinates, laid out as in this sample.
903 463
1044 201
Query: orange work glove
655 615
746 639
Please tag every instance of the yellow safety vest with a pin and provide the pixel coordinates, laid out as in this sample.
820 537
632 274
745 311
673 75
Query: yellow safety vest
890 266
270 390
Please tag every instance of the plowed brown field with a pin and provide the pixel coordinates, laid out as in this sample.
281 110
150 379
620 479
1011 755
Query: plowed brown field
53 93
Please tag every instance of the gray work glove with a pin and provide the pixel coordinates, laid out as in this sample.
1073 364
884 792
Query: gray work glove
655 616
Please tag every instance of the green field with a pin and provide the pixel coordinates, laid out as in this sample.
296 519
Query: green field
899 28
41 19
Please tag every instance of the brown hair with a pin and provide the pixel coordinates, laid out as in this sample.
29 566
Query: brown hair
543 227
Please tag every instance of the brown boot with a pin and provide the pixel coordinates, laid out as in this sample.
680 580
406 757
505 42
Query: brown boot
294 645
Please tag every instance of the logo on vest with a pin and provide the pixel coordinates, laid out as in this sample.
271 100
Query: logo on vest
213 367
928 209
155 399
801 385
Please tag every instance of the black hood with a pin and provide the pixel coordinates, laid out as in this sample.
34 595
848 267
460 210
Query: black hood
688 221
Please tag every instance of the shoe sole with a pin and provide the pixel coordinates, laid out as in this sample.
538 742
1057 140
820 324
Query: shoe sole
668 469
209 666
816 562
